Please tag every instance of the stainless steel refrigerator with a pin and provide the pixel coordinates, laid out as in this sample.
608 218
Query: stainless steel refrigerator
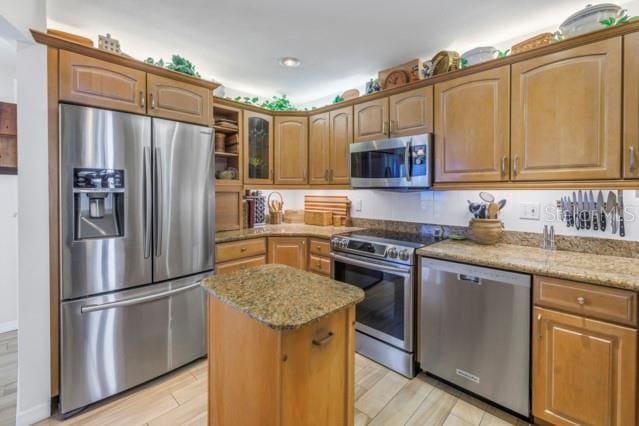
136 239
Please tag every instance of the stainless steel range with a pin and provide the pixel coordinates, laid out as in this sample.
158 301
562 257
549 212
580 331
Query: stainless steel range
383 264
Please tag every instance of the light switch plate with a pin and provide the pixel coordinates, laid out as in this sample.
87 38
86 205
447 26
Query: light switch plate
530 211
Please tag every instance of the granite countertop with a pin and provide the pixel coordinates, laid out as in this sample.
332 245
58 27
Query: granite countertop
282 297
283 230
612 271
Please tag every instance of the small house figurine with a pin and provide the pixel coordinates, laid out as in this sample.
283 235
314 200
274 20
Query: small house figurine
109 44
373 86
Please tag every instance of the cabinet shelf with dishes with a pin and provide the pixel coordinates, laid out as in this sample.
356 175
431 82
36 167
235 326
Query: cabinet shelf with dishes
228 147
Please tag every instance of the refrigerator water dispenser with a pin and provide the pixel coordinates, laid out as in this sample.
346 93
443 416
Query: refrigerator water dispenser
99 203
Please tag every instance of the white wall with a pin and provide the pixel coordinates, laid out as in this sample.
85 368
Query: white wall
451 208
33 209
9 205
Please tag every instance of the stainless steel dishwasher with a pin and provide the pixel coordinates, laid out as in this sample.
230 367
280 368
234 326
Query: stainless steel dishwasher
475 330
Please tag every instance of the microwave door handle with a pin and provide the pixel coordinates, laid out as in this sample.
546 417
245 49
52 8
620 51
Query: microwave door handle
407 160
378 267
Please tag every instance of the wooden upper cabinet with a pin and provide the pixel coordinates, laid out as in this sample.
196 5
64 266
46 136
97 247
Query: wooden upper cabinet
291 150
93 82
371 120
584 371
319 148
258 148
341 136
289 251
411 112
566 114
631 107
472 127
176 100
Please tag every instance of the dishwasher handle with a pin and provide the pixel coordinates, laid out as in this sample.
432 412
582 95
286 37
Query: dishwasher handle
469 278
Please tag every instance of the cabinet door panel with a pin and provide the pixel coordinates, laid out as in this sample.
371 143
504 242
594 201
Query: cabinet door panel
584 371
411 112
178 101
291 150
566 114
371 120
228 208
341 136
258 148
319 149
472 127
631 107
93 82
289 251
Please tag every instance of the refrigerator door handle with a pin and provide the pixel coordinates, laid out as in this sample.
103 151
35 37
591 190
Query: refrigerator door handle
148 201
157 208
137 300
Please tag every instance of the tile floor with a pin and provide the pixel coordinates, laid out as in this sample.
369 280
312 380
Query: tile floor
8 377
382 398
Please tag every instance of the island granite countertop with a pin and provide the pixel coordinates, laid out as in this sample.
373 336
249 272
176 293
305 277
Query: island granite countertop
611 271
283 230
282 297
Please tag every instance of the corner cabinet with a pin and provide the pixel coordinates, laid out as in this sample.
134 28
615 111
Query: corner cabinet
89 81
289 251
472 117
566 114
258 148
175 100
319 148
631 107
291 150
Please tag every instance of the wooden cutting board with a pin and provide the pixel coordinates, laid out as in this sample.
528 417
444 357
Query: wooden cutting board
338 205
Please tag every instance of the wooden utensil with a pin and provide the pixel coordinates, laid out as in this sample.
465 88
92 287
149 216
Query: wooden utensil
493 210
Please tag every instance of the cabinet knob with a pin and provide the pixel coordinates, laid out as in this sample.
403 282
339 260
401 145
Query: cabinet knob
581 300
243 249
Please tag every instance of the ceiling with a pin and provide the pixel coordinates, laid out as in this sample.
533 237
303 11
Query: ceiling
342 43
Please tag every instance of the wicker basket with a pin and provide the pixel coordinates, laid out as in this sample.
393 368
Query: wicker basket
485 231
540 40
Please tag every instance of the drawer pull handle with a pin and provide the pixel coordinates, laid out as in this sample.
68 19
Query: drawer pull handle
581 300
324 340
243 249
539 326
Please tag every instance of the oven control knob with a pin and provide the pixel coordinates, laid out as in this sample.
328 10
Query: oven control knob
343 244
334 243
392 252
404 255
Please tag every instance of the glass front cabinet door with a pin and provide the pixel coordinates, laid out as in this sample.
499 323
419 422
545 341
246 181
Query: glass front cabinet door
258 146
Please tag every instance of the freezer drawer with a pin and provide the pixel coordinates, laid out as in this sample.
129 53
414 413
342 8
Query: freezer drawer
114 342
475 330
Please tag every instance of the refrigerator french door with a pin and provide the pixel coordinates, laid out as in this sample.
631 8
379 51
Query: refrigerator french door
136 236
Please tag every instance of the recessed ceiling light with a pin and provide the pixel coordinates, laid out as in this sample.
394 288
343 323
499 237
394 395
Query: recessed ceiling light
290 62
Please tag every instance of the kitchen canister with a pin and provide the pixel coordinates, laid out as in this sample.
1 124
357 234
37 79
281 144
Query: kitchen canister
485 231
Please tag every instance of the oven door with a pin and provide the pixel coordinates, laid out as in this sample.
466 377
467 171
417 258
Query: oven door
386 313
391 163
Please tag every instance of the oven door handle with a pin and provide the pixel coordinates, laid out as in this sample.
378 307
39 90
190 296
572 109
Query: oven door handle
376 266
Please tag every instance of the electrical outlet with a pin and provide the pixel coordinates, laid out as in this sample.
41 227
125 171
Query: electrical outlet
530 211
358 205
637 193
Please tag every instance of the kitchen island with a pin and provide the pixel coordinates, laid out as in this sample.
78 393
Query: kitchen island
281 347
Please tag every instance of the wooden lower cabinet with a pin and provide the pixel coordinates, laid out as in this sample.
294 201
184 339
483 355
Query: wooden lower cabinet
584 370
176 100
235 265
319 260
288 377
289 251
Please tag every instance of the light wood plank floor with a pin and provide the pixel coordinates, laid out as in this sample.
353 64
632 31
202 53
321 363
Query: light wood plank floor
8 377
382 398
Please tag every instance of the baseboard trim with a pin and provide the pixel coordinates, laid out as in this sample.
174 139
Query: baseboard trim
8 326
34 415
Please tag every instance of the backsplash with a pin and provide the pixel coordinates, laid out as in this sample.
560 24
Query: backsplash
451 208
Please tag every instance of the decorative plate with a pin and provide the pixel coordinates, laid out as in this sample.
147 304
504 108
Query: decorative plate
396 78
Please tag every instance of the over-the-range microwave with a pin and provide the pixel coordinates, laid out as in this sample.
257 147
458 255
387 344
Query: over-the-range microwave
403 163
